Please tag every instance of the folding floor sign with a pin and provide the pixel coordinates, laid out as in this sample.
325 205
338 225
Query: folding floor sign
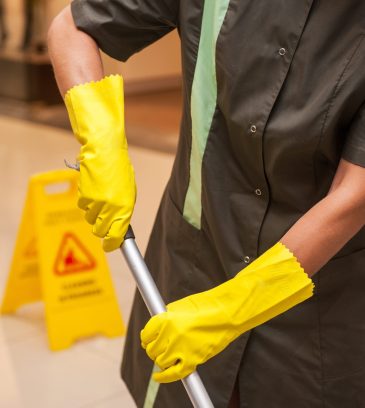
57 260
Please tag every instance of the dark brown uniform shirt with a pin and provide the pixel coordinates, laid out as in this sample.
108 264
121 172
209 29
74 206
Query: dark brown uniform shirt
274 96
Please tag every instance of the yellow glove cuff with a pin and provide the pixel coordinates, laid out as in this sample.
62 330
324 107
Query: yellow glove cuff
281 278
96 109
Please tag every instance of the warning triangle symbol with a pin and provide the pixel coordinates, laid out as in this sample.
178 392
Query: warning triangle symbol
72 256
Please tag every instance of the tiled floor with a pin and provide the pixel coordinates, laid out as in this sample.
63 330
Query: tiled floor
87 374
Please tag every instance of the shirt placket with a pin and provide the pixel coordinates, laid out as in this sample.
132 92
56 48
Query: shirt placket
259 196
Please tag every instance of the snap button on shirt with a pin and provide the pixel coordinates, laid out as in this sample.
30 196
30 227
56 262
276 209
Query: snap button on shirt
246 259
282 51
258 192
253 129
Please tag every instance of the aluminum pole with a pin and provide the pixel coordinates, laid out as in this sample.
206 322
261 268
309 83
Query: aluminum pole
153 300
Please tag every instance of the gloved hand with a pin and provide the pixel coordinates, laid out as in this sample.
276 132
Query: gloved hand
200 326
107 190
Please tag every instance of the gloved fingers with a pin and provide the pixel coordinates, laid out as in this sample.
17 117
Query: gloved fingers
173 373
106 217
157 347
152 329
103 223
83 202
115 236
92 212
166 360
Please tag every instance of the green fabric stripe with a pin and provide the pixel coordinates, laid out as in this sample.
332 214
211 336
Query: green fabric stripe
203 103
152 390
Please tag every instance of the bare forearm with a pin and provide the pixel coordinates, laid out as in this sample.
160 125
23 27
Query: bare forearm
75 56
320 233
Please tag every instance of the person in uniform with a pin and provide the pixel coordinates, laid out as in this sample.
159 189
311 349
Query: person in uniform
265 201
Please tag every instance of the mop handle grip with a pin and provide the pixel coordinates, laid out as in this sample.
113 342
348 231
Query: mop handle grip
153 300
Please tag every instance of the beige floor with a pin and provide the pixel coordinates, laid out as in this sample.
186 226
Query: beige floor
86 375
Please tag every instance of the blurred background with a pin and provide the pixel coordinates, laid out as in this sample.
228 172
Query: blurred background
35 137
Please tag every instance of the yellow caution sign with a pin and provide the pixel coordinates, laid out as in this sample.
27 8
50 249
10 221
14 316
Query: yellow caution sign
58 260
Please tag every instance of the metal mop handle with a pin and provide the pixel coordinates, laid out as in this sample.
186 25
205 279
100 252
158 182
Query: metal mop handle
194 387
153 300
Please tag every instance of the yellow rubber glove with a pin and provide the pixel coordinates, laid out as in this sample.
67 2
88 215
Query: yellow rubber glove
107 190
200 326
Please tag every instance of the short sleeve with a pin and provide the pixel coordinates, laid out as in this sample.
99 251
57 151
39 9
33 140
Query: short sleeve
354 147
124 27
